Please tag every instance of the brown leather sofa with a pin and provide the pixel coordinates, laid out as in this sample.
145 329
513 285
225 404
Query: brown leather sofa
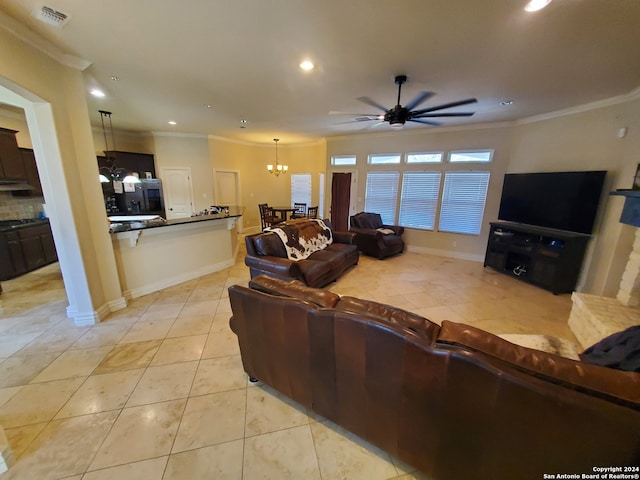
453 401
375 238
266 254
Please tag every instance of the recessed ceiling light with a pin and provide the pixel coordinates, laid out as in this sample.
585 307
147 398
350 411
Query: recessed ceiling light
535 5
171 122
506 103
114 78
306 65
208 105
97 93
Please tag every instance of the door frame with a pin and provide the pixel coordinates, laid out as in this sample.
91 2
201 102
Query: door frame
163 171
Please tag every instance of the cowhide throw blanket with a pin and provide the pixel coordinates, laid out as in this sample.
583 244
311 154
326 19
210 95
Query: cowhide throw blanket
303 237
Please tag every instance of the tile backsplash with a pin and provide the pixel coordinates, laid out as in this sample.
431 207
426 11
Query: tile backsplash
12 208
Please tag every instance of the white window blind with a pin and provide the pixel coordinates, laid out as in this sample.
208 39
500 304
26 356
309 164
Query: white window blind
419 199
321 197
301 188
382 195
463 201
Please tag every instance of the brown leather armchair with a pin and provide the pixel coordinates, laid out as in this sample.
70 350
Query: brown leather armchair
374 238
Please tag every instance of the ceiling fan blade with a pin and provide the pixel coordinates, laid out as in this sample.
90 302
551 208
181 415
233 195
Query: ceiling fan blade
422 96
359 120
368 101
428 122
337 112
373 125
433 115
445 105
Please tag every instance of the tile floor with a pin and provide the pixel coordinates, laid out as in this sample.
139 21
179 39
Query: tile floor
157 391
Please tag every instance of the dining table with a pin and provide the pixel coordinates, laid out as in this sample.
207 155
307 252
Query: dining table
283 211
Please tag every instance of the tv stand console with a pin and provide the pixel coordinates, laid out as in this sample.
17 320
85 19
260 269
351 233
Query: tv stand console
545 257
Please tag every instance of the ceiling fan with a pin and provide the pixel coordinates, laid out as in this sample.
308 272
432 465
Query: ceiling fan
398 115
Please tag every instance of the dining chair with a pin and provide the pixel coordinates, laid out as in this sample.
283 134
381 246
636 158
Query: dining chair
300 210
267 217
312 212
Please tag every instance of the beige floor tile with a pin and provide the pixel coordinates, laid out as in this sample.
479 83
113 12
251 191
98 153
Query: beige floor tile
224 306
219 462
180 349
343 455
20 438
10 344
21 369
199 308
147 330
73 363
7 393
205 293
195 325
221 344
56 339
38 402
268 411
149 431
152 469
64 447
101 393
163 383
211 419
161 312
221 323
102 335
128 357
286 454
219 375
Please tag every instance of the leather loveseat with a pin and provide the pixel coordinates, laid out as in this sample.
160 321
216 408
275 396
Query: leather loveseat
453 401
266 254
375 238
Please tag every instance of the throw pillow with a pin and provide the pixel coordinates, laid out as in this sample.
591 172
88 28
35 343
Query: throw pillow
620 350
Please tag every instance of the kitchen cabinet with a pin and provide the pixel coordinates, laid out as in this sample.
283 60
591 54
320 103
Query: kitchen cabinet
31 169
25 247
11 164
130 162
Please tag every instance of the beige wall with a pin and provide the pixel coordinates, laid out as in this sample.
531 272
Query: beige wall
497 137
35 74
588 141
257 185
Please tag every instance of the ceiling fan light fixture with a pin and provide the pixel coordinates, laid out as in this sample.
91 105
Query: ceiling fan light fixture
396 124
535 5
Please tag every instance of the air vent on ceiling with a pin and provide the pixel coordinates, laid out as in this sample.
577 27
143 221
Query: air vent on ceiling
51 16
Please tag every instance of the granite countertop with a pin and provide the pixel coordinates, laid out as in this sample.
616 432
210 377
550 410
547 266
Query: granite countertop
10 225
127 226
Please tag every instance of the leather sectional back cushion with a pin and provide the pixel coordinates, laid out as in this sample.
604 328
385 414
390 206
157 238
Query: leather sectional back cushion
294 289
390 314
269 244
614 383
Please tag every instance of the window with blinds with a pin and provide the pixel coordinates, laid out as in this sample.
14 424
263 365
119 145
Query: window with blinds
419 199
463 201
301 188
382 195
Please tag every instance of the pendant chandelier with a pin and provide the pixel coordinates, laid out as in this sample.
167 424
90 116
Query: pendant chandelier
279 168
111 172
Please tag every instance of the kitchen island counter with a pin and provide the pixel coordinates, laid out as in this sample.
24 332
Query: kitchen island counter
152 257
122 224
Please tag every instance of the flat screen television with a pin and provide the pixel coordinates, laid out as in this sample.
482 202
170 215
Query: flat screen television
560 200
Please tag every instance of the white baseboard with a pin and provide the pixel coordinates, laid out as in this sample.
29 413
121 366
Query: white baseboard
95 316
446 253
170 282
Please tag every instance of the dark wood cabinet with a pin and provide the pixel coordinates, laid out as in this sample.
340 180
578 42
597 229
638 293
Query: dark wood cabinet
545 257
11 165
26 248
31 169
130 162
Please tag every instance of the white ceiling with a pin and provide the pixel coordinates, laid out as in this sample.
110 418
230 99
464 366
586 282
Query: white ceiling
242 56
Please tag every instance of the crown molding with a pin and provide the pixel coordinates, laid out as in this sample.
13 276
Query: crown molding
28 36
312 143
586 107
